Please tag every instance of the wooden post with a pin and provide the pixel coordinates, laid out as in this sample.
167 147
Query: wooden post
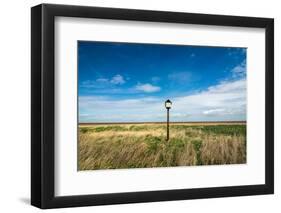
168 110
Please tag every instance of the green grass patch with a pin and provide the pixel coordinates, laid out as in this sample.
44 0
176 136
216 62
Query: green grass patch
153 143
223 129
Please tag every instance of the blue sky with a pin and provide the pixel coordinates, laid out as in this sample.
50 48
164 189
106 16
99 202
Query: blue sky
129 82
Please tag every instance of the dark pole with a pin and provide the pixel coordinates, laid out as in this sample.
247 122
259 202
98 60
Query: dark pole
167 124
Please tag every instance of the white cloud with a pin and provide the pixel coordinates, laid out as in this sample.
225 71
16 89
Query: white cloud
223 112
228 86
117 79
239 70
148 88
213 111
102 80
101 83
225 94
225 101
236 52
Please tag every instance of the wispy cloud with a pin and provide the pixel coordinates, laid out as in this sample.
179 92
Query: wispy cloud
117 79
239 70
148 88
101 83
213 111
236 52
228 96
112 86
225 101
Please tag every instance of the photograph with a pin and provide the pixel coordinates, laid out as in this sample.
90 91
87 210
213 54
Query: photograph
139 105
160 105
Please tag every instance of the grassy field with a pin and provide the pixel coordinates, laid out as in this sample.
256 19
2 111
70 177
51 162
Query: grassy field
111 146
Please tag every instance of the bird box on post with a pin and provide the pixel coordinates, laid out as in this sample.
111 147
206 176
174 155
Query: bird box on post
168 105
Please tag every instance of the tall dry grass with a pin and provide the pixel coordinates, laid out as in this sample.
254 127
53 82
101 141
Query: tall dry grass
145 145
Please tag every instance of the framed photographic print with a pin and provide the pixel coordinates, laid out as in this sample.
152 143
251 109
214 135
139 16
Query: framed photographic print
139 106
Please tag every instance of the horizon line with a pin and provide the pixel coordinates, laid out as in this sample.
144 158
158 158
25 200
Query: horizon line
160 122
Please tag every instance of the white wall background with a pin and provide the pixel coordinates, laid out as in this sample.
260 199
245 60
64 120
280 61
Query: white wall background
15 105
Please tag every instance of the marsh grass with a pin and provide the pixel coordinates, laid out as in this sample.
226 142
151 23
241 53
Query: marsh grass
145 145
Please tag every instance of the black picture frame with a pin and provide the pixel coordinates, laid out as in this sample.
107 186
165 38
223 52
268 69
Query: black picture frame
43 102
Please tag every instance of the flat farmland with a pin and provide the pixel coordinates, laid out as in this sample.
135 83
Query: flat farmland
144 145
